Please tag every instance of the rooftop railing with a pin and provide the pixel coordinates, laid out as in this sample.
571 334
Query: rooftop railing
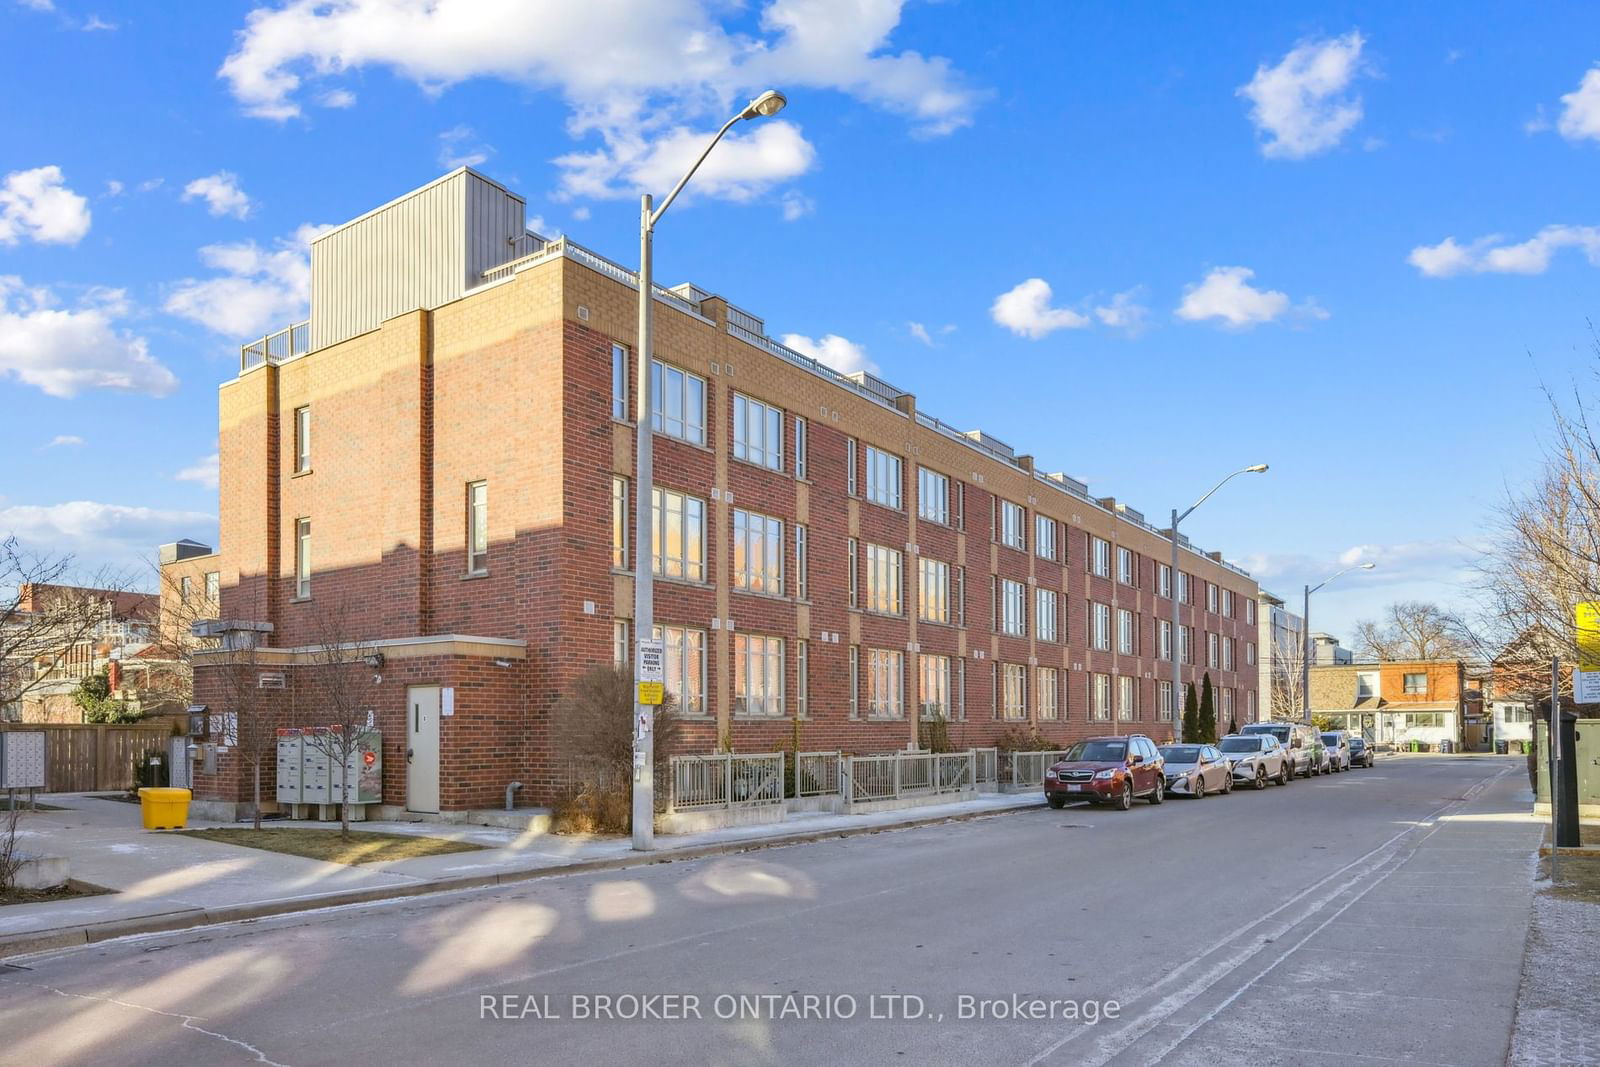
277 347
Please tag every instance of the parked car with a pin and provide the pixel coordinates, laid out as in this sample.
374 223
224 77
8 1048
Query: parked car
1195 770
1256 759
1111 770
1361 754
1337 743
1300 742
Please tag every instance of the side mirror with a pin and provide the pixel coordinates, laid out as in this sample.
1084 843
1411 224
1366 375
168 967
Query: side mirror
1135 759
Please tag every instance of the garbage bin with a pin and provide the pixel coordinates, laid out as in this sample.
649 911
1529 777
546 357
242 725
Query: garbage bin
1416 746
1501 748
164 809
1447 747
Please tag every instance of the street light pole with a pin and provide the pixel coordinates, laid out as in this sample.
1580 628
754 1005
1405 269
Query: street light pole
1174 643
1305 656
644 837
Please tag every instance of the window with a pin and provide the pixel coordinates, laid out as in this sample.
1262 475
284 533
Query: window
1127 699
1249 653
1047 614
855 682
686 667
1249 611
799 448
619 642
213 586
933 496
302 558
1013 691
1227 653
1013 524
757 675
678 547
1211 650
1163 579
883 478
1013 608
802 678
1227 707
1516 713
185 589
302 440
1249 697
677 403
1100 556
1227 603
1211 598
1416 683
961 507
757 432
1047 693
1100 628
1127 633
1044 536
933 694
961 690
1183 588
1366 685
802 582
1163 639
883 579
1100 696
1186 644
619 383
1126 573
477 527
619 522
853 566
933 581
757 553
1164 701
1413 719
884 698
850 466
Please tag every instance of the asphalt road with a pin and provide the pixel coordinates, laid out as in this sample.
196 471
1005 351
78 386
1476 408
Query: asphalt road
1373 916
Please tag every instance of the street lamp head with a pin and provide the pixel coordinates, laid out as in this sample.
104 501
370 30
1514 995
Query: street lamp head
766 105
1259 468
1368 566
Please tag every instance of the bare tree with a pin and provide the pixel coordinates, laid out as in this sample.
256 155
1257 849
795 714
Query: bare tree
168 678
1287 676
1413 629
10 858
346 666
247 719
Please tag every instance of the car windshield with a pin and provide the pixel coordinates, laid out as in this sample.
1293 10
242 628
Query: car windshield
1181 753
1356 742
1098 751
1241 744
1330 739
1280 732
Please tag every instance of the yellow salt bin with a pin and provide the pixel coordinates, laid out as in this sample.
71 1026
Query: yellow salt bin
164 809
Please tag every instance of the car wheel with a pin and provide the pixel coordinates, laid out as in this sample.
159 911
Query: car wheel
1055 801
1284 777
1227 782
1125 798
1159 793
1199 791
1261 778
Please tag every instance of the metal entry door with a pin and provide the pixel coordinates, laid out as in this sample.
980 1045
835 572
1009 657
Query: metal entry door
422 748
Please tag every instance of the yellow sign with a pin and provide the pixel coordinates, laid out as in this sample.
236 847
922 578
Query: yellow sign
652 692
1586 619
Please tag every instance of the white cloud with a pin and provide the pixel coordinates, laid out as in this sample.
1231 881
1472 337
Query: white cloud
1025 310
95 22
629 73
920 332
581 213
1125 312
150 185
63 351
99 533
260 290
36 204
61 440
338 98
834 351
796 205
114 187
204 473
743 166
1227 295
38 5
221 193
460 147
1300 106
1491 255
1580 109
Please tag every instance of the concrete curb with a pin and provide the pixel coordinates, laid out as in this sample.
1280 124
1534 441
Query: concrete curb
16 946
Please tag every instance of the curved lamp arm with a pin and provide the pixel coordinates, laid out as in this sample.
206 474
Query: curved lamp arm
1255 469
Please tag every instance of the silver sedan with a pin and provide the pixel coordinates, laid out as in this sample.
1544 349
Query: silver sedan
1195 770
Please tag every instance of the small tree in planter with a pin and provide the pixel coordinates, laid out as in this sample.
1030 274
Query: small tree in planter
1191 716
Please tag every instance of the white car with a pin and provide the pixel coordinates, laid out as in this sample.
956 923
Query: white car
1337 742
1195 770
1256 759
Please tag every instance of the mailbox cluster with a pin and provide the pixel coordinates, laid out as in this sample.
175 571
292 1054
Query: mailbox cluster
309 775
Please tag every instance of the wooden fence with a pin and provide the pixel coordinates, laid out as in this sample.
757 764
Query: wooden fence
82 758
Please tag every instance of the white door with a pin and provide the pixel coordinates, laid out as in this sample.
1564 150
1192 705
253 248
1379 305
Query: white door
422 748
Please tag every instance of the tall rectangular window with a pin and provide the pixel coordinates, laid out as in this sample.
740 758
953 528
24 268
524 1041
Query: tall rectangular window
1186 644
302 558
1164 639
883 579
1127 699
933 589
1125 566
619 383
800 448
1249 653
757 675
1044 536
961 690
1127 633
619 522
1227 603
852 567
1211 651
1047 693
802 679
686 667
477 527
933 496
1100 697
678 549
1211 598
1227 653
757 432
213 587
1183 588
1013 608
933 692
883 478
1249 705
850 466
1249 611
885 699
961 596
1013 691
802 565
1100 630
619 642
1163 580
185 589
1045 614
855 682
1164 701
302 440
677 403
1013 525
1227 707
757 553
1100 556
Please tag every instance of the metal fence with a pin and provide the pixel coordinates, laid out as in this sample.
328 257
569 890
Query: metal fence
895 775
816 774
83 758
727 781
1027 769
986 766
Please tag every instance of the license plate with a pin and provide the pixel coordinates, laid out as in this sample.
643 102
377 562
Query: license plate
1074 788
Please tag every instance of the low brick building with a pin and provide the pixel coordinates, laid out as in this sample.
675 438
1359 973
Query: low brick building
1394 702
443 457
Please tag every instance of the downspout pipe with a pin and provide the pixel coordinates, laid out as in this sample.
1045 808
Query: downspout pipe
511 792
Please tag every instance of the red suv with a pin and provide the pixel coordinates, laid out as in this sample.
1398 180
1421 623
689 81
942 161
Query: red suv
1109 769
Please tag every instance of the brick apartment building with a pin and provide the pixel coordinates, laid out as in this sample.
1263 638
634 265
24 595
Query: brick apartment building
444 455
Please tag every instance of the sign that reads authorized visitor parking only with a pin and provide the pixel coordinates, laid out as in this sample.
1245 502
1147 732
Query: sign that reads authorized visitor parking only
652 671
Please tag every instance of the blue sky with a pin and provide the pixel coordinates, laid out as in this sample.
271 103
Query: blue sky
1148 243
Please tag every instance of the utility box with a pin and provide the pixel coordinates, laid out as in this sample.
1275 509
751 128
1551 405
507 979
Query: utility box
290 749
361 779
178 767
316 784
22 759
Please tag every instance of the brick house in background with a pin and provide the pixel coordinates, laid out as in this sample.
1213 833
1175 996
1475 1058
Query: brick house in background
444 455
1395 702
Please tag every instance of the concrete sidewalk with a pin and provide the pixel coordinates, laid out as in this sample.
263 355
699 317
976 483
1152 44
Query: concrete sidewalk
164 881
